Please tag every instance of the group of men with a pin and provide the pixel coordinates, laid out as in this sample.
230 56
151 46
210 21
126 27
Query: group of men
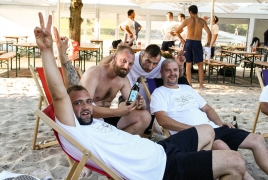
85 114
189 32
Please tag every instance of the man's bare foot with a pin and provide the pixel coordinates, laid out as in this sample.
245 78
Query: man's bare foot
201 87
85 173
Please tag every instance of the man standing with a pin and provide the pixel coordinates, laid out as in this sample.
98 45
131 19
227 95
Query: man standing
129 26
168 32
181 18
193 46
214 32
137 29
265 38
179 107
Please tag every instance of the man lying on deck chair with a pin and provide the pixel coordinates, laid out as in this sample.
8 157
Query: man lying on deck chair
133 157
179 107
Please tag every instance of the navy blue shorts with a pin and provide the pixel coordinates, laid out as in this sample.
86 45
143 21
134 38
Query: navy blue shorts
183 160
166 45
194 51
231 136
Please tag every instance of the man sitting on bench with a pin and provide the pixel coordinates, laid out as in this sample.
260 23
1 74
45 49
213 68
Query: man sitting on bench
133 157
180 107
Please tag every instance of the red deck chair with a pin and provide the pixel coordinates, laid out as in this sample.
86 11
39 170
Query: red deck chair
45 98
48 116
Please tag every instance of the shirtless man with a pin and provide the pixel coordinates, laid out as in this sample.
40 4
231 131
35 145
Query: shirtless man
193 46
103 82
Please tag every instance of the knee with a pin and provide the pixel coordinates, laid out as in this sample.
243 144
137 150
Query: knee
144 117
219 145
208 130
255 141
239 165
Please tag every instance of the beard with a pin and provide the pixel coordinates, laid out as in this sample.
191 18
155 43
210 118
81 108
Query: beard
172 82
85 121
121 72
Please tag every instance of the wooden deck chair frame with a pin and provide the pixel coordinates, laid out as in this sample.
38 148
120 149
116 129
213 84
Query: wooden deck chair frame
42 99
145 87
258 72
78 165
45 98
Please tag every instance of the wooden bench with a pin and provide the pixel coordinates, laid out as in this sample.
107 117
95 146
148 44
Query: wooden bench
213 64
2 52
261 63
4 58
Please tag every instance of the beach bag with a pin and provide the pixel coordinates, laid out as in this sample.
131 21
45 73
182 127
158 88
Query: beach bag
228 72
115 43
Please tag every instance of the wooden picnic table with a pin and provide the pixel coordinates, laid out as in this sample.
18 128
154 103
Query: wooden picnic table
229 47
30 48
250 56
88 49
24 38
135 49
99 42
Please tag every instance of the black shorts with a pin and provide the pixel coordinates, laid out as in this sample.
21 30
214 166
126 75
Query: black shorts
194 51
231 136
183 160
112 120
166 45
212 52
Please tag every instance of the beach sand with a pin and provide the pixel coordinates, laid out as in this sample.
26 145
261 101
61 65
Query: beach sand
19 99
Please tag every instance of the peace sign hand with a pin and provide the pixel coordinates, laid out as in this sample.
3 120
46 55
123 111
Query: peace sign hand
43 34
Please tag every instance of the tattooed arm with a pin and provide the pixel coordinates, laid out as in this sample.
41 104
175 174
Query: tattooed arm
69 72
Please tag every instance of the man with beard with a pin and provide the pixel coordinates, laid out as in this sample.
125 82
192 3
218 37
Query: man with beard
185 155
103 82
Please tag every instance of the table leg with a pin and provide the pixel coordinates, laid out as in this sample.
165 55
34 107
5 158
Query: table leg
33 54
84 60
28 54
79 58
6 45
97 56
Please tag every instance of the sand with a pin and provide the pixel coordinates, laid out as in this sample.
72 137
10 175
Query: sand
19 98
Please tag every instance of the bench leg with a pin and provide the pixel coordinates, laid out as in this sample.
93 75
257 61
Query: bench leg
8 68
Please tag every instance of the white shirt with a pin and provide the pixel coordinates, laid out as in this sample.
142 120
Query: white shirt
131 156
182 104
131 24
137 71
215 30
184 32
264 94
169 26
